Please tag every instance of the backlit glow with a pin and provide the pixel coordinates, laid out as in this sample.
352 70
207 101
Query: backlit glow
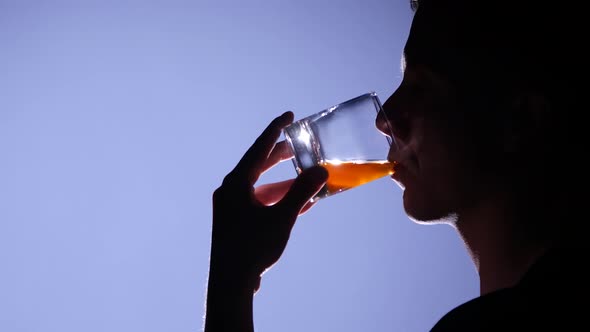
304 137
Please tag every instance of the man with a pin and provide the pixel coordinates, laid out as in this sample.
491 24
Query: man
479 121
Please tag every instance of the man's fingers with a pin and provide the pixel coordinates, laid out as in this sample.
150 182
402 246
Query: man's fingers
269 194
249 167
304 188
281 152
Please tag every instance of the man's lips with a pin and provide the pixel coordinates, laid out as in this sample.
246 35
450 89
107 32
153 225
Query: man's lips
405 165
398 168
399 171
404 160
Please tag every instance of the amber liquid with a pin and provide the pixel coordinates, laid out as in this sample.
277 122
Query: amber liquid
346 175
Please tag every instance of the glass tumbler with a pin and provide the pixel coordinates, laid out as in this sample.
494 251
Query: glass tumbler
345 141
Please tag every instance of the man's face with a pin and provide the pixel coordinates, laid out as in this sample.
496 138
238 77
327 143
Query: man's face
433 151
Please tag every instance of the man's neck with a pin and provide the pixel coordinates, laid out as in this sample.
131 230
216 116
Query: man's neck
501 252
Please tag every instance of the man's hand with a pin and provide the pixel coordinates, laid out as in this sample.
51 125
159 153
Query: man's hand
251 227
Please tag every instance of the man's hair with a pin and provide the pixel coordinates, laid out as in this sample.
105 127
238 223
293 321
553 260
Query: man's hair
530 43
494 52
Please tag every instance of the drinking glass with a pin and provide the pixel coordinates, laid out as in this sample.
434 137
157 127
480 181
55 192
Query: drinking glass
345 141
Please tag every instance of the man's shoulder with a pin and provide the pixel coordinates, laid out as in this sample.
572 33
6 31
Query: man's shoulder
492 312
548 297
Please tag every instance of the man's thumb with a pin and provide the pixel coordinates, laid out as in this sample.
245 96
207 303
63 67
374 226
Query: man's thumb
306 185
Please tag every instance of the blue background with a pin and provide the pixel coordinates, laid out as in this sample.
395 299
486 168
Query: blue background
118 119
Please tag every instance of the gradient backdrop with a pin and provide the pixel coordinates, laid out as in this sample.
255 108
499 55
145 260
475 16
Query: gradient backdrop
118 119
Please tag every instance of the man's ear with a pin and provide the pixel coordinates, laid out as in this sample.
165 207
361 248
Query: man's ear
527 123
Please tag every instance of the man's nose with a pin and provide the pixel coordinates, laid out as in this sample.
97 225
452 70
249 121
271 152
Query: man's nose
393 119
383 125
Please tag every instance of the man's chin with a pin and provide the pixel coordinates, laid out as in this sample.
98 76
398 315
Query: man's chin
424 216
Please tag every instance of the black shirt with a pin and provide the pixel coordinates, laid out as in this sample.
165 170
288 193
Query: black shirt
551 296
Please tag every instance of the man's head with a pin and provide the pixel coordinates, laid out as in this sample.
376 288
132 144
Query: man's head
486 93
